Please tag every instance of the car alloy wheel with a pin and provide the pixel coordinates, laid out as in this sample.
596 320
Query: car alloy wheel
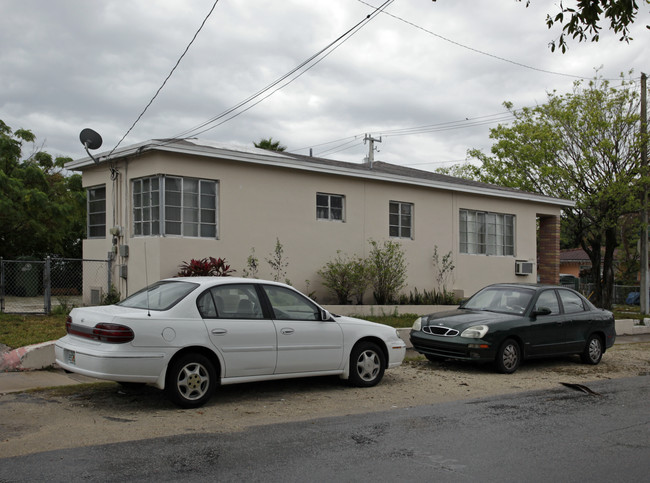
593 352
508 357
367 365
191 380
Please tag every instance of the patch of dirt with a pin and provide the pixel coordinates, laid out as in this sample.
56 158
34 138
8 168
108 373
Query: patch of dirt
75 416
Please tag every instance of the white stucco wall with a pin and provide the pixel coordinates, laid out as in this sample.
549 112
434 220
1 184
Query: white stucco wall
259 204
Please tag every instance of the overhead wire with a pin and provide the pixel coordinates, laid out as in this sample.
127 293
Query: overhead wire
166 78
300 69
503 59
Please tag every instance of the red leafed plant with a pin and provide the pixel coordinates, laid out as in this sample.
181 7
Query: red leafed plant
206 267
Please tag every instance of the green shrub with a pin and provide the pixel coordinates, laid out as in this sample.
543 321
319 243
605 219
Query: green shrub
387 266
346 278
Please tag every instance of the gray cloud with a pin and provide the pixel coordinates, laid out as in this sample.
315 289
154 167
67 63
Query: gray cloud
70 64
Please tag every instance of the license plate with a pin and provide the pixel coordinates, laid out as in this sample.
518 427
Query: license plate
69 356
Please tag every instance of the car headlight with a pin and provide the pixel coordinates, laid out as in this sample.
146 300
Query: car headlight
417 325
475 332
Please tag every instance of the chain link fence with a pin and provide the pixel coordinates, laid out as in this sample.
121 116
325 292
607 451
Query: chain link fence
620 295
29 286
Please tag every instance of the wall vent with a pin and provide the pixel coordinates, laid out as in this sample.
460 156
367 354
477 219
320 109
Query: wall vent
96 295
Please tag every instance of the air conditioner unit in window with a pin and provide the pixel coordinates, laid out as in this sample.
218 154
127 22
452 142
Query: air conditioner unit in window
523 267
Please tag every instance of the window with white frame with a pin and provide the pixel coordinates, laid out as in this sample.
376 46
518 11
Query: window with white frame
96 209
330 207
146 206
172 205
486 233
400 219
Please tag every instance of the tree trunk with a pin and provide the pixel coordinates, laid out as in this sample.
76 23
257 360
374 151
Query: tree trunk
608 268
593 250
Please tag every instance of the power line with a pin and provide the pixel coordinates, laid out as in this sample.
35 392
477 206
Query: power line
503 59
313 60
167 78
428 128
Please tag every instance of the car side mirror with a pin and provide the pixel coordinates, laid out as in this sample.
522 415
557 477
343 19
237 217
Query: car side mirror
542 311
325 315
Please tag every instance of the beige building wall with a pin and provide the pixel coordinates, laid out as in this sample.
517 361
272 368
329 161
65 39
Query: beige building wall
258 204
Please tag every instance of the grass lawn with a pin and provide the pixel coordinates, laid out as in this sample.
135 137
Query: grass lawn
21 330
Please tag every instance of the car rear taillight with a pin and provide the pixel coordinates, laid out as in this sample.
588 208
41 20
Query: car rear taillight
102 332
113 333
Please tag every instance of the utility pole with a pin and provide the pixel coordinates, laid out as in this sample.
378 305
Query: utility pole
644 296
371 150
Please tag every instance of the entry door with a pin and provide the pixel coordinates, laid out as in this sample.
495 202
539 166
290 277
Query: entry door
237 328
305 343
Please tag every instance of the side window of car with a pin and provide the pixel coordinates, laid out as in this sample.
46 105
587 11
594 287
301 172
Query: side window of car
289 305
238 301
206 307
548 299
571 302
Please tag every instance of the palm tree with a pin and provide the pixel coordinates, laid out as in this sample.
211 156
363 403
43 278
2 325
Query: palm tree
270 144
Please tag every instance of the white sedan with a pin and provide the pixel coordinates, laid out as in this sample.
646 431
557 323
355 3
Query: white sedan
186 335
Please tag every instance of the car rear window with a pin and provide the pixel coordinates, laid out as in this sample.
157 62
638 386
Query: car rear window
159 296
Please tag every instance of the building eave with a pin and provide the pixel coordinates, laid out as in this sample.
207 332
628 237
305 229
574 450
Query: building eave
318 165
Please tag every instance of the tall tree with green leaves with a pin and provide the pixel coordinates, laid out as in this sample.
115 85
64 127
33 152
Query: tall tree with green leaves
270 145
42 209
582 146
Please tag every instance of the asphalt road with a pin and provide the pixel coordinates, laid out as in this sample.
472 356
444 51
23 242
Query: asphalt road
554 435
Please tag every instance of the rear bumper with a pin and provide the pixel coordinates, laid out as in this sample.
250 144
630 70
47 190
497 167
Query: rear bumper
115 365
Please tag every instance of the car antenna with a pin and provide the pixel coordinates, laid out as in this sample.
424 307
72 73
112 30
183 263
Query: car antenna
146 278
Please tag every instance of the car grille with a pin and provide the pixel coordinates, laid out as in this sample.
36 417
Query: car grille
438 330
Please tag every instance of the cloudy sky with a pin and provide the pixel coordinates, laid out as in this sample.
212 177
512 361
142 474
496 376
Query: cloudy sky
430 78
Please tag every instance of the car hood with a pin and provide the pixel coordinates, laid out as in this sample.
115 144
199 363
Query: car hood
355 325
346 320
463 318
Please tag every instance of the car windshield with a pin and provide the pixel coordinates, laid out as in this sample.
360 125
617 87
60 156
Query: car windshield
159 296
508 300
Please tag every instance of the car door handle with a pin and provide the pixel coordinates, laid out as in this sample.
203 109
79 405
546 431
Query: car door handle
218 331
287 331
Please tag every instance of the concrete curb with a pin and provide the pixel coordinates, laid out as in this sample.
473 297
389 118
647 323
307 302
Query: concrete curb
28 358
41 356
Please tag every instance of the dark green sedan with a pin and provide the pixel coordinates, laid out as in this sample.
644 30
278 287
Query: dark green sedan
507 323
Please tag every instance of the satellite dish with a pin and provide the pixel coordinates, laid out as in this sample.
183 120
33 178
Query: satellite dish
91 140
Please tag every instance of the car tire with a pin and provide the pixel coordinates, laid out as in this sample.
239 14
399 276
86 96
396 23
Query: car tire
508 357
367 365
593 352
191 380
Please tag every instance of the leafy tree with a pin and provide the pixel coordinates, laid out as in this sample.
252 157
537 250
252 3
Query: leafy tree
583 146
583 22
42 210
270 145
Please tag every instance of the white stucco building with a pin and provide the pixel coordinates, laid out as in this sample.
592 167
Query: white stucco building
157 204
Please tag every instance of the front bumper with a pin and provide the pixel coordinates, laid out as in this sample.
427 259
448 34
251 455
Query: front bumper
456 347
396 353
